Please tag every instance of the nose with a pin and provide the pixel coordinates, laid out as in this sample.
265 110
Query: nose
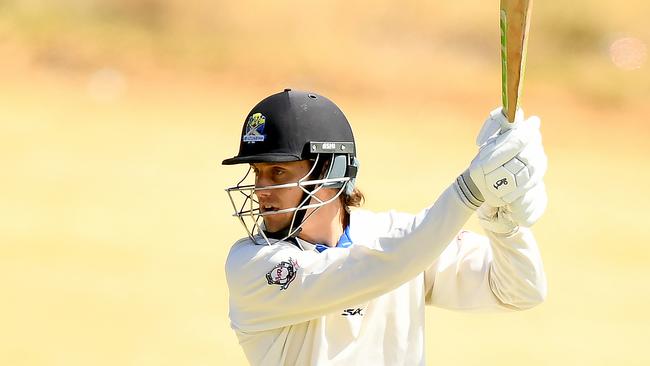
261 194
261 182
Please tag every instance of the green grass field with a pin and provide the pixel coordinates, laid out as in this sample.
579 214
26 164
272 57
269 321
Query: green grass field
114 224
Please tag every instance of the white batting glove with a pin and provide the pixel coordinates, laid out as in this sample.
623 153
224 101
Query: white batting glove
524 211
507 173
511 159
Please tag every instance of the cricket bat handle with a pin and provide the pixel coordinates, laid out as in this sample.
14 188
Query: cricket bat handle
514 24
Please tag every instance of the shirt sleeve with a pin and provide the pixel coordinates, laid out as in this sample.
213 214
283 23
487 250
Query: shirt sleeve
277 285
477 273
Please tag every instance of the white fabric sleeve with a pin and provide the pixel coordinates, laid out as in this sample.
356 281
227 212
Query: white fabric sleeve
321 283
476 273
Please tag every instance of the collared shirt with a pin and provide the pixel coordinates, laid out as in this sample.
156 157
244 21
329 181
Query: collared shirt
364 304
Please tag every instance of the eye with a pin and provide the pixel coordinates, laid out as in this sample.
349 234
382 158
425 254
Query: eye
278 171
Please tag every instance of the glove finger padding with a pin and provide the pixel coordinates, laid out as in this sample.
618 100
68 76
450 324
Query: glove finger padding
510 163
498 150
496 219
523 212
535 165
527 209
495 123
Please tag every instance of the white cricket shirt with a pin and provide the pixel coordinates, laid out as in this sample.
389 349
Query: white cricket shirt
364 305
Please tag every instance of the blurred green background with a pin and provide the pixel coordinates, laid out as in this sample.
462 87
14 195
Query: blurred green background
115 115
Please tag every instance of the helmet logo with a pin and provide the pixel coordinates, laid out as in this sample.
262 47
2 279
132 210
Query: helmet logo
255 129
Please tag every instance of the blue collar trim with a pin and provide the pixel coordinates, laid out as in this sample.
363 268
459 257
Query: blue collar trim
344 241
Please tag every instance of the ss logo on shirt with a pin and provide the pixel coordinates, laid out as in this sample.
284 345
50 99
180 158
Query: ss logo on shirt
352 312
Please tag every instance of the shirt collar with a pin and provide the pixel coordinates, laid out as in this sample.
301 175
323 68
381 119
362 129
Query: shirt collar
344 241
350 234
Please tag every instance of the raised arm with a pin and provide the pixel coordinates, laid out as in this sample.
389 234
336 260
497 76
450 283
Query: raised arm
278 285
497 272
504 270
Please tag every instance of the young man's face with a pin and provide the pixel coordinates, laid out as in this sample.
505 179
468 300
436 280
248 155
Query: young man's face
269 174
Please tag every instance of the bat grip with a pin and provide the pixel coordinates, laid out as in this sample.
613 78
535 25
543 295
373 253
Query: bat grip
505 114
507 124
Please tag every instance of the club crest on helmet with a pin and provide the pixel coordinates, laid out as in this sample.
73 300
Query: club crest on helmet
255 128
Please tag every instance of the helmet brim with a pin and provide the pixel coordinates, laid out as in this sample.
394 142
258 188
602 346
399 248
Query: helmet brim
261 158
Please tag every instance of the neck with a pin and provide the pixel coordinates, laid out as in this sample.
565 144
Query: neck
326 225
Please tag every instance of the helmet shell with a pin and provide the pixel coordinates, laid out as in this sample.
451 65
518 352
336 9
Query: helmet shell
281 127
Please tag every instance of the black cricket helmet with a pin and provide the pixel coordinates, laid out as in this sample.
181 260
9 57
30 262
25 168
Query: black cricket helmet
293 126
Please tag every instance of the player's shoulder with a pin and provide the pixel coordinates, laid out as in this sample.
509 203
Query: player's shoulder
383 217
248 261
246 254
364 222
247 249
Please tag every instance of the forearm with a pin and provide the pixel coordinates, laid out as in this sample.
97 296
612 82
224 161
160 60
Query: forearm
516 275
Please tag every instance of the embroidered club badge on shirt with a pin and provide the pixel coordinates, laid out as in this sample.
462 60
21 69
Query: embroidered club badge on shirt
282 274
255 129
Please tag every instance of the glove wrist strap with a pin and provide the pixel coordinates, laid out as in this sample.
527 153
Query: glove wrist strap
468 191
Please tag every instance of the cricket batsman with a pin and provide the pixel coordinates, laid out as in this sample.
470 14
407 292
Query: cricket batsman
318 281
